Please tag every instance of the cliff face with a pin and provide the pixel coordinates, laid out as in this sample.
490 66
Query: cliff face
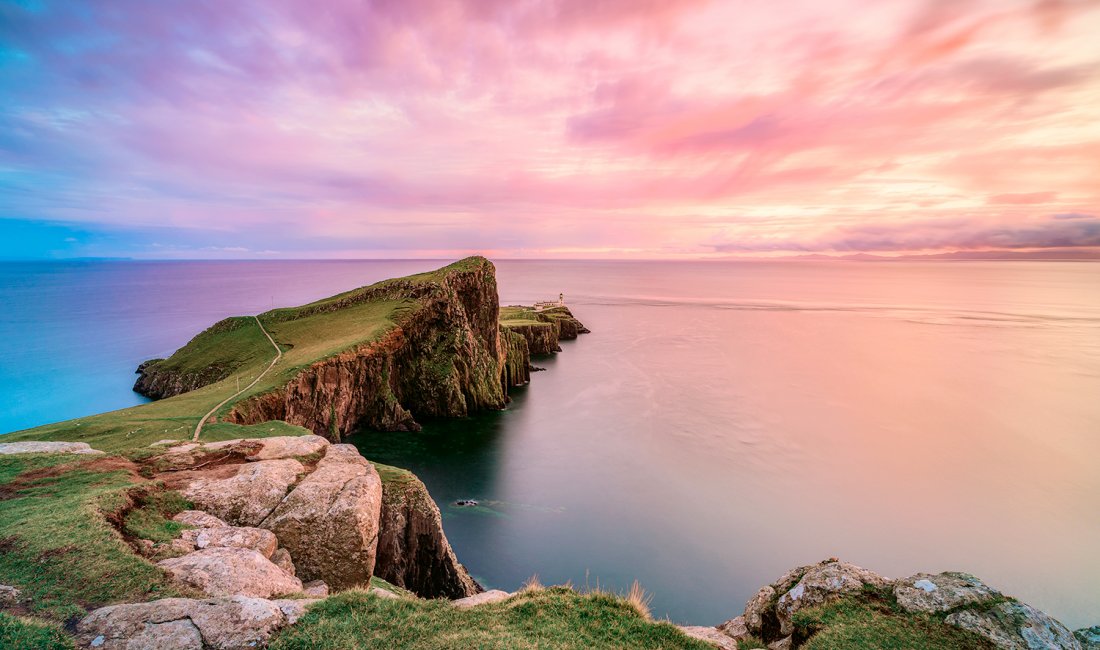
444 358
542 338
413 552
517 358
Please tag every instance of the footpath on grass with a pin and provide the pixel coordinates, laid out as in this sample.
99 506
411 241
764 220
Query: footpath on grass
211 412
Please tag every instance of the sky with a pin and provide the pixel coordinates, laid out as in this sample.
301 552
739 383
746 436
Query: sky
547 128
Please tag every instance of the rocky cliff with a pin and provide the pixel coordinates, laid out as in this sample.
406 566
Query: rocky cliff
542 329
413 552
440 354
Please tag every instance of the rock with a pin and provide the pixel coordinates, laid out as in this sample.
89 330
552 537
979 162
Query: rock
183 624
941 592
231 571
783 644
281 558
315 589
819 584
275 447
1088 637
295 608
735 628
760 605
41 447
1015 626
248 496
256 539
382 593
709 635
484 598
199 519
9 596
413 552
329 522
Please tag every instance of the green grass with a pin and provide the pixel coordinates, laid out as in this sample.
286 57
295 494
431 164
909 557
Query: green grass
866 622
556 617
57 547
151 519
21 633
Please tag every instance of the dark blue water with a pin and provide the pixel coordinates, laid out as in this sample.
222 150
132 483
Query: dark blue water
722 423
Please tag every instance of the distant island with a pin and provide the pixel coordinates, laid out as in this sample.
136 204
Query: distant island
231 513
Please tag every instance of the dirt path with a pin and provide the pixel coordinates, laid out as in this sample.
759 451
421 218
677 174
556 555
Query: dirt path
278 355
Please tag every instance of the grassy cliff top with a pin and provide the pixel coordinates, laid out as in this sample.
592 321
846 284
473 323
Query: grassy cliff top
555 617
237 349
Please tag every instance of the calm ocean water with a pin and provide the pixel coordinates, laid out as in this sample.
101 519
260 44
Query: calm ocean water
723 422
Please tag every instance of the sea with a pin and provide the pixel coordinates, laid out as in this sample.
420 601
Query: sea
722 423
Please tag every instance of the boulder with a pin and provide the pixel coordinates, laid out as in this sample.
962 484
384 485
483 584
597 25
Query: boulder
941 592
249 495
41 447
9 596
198 519
382 593
709 635
735 628
818 585
234 623
315 589
1012 625
484 598
281 558
276 447
786 643
1088 637
231 571
295 608
329 522
762 604
256 539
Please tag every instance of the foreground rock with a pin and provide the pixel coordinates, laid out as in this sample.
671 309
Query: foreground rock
234 623
1015 626
1088 637
413 552
36 447
230 572
9 596
957 599
484 598
709 635
248 493
329 522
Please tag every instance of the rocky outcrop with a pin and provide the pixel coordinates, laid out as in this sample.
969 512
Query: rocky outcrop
941 592
329 522
1088 637
413 552
227 571
244 494
1010 625
955 599
36 447
443 358
234 623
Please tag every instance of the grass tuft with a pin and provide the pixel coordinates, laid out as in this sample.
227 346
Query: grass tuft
16 633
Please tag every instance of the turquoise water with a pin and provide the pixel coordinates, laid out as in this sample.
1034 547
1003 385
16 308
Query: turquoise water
722 423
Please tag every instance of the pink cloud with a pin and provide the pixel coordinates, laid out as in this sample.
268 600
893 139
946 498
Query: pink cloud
676 124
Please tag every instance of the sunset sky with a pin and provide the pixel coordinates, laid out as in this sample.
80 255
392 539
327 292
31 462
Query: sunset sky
547 128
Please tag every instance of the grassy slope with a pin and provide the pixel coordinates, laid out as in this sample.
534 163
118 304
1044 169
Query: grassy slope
556 617
18 632
57 546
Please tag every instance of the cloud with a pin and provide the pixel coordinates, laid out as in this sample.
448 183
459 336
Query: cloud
552 124
1080 231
